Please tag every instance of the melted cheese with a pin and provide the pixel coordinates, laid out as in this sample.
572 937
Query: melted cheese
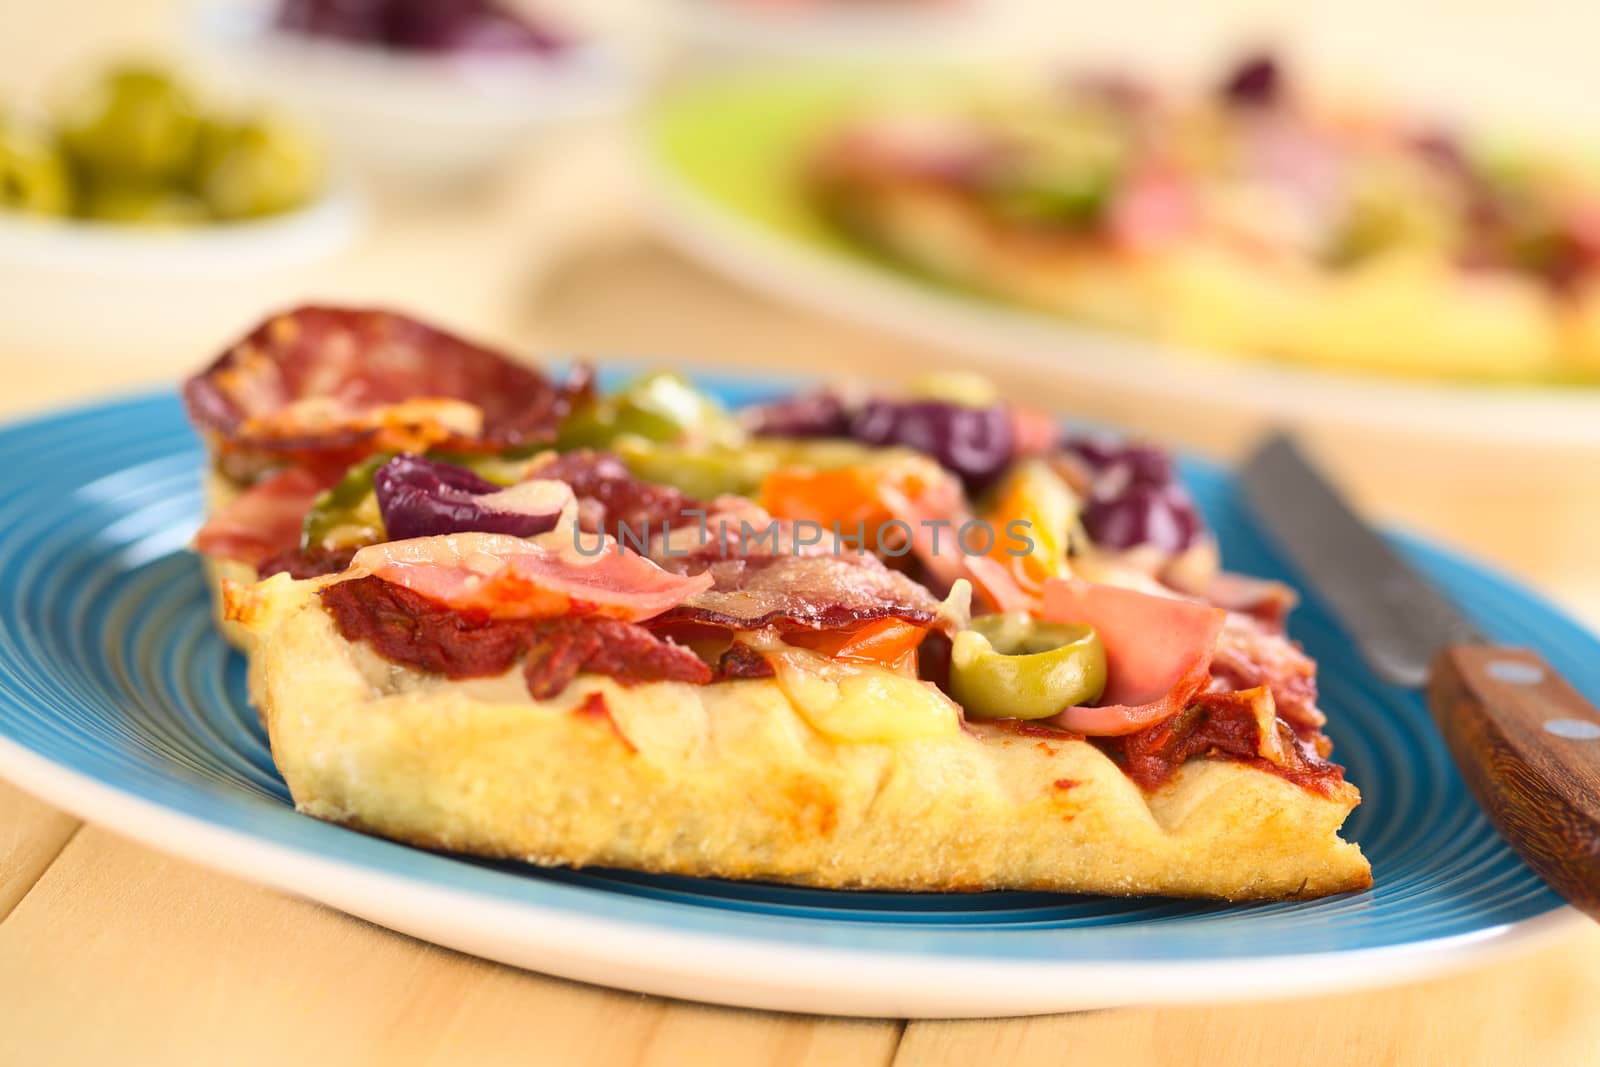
412 425
854 702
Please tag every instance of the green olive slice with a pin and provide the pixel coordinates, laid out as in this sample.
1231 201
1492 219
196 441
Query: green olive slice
33 176
1013 666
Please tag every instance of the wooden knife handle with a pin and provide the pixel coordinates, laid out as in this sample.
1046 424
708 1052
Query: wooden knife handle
1528 746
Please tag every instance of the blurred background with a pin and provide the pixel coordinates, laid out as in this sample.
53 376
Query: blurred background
535 174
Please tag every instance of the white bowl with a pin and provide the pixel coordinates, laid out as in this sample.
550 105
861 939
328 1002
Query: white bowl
96 290
420 119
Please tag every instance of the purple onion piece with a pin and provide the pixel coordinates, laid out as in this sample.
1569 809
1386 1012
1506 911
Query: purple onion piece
1097 452
1133 463
976 443
438 26
1135 498
1255 82
359 21
822 413
1162 517
462 26
503 34
421 497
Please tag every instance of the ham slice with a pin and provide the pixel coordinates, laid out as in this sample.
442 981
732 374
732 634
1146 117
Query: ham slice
942 510
503 577
1154 208
1158 651
264 520
1267 601
1033 432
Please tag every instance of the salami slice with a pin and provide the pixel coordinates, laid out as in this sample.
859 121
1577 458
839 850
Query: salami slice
335 384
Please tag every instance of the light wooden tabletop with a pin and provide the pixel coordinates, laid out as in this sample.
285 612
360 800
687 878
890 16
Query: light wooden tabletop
110 952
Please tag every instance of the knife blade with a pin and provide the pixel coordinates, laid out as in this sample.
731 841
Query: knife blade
1398 619
1526 742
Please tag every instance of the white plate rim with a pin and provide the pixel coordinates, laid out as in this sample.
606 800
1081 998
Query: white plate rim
741 972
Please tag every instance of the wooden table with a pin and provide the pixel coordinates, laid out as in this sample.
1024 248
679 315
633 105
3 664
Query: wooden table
110 952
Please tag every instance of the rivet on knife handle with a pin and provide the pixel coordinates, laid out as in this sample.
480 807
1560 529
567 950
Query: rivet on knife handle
1528 746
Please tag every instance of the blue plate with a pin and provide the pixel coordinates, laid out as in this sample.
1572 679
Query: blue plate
119 702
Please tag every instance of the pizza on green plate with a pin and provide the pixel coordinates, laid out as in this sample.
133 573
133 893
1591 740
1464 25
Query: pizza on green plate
1245 219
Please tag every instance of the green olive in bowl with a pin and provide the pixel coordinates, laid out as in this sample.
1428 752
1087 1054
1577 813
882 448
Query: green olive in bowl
136 124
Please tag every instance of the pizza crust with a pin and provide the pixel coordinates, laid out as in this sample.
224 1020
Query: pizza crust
727 780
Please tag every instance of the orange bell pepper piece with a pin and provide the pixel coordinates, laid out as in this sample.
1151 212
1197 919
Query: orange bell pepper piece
889 643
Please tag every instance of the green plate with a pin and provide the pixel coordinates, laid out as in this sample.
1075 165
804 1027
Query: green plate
743 143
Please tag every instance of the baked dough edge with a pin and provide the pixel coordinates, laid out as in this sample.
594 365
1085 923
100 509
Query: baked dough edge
729 781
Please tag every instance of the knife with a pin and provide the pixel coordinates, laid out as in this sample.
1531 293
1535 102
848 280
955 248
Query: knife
1526 742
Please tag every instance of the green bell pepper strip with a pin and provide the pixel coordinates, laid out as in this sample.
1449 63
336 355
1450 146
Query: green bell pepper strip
658 407
1013 666
347 513
502 468
703 473
710 471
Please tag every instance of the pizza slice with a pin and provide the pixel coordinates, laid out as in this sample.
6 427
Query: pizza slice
846 640
288 409
1249 220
